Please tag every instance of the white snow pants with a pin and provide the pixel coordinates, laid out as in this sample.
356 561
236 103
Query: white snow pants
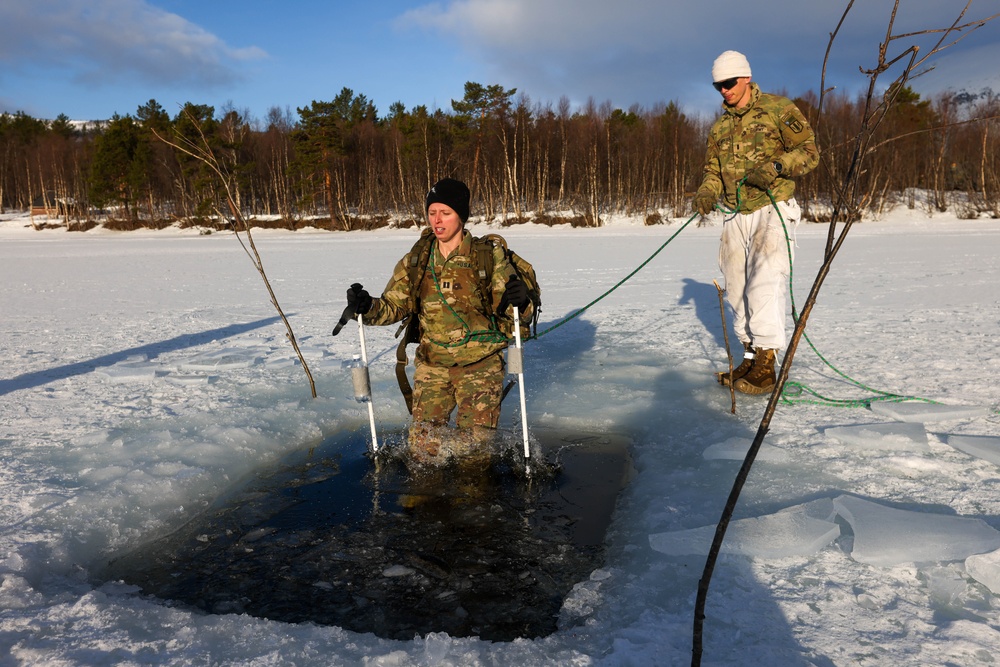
754 258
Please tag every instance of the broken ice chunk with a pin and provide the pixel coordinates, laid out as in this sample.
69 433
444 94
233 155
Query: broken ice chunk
229 358
886 536
186 380
981 446
128 372
927 412
883 437
792 532
985 568
735 449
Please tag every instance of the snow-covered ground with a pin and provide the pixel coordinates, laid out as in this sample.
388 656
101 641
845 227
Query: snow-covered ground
144 374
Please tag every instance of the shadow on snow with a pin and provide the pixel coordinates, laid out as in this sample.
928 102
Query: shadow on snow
151 350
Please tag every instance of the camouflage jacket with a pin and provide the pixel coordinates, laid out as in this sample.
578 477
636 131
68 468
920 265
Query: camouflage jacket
457 325
768 129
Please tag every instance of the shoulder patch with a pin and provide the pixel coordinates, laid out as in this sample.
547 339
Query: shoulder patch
792 121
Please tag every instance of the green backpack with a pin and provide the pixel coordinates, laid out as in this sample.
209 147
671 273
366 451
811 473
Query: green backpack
482 250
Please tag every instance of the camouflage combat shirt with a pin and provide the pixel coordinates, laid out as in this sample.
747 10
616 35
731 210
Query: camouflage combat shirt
457 325
769 128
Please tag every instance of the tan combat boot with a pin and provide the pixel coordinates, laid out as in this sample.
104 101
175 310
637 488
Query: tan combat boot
740 370
760 379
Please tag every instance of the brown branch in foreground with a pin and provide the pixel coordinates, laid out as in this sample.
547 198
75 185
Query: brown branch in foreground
206 156
847 199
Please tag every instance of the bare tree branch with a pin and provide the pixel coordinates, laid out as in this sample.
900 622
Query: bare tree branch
202 151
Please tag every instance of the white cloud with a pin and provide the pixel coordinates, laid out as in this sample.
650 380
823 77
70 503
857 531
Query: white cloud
545 26
648 51
102 41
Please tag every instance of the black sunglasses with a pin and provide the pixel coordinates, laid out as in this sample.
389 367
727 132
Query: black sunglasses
728 84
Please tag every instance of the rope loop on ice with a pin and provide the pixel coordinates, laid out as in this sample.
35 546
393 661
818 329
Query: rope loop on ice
792 392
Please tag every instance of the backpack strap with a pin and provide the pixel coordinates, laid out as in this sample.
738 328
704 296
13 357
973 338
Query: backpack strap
418 257
483 249
401 379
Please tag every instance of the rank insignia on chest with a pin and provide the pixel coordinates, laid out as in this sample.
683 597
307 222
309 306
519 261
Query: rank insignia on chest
446 284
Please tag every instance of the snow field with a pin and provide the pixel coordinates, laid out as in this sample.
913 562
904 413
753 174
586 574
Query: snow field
146 373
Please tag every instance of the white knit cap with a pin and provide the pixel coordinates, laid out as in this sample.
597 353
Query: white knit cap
729 65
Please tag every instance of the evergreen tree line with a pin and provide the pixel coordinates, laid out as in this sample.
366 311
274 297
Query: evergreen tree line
339 165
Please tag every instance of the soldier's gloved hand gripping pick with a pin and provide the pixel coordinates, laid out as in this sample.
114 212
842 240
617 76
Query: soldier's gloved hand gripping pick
515 294
358 302
358 299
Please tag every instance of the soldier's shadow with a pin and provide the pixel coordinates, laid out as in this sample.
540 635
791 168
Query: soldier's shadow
705 299
550 359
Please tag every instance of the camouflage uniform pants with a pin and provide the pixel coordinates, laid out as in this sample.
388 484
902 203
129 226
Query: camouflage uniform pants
474 390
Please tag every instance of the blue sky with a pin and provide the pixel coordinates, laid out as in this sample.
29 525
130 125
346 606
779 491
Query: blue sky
91 59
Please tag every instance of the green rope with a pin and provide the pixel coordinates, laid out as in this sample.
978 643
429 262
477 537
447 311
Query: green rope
617 285
485 336
792 390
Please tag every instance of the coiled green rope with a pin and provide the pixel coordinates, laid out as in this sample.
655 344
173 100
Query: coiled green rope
792 392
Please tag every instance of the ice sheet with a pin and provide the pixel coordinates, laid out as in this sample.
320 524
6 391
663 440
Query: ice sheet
887 536
794 531
927 412
883 437
981 446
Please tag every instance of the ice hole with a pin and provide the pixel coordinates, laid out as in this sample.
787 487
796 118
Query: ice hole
329 537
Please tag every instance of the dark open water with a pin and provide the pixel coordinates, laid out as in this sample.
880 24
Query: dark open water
334 537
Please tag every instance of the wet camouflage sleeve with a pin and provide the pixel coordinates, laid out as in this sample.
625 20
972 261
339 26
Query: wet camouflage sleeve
771 128
392 306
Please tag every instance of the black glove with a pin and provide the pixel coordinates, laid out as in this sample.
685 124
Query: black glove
515 294
358 299
704 202
762 175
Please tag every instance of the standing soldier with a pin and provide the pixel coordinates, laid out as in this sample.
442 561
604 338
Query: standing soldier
759 144
464 318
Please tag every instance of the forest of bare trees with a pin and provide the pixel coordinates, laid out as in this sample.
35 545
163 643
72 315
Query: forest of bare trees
339 165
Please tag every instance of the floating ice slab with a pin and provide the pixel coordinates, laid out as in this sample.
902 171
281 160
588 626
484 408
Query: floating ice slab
886 536
736 449
280 362
981 446
185 380
128 372
883 437
792 532
985 568
927 412
221 360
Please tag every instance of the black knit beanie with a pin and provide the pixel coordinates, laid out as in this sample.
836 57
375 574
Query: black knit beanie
453 194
